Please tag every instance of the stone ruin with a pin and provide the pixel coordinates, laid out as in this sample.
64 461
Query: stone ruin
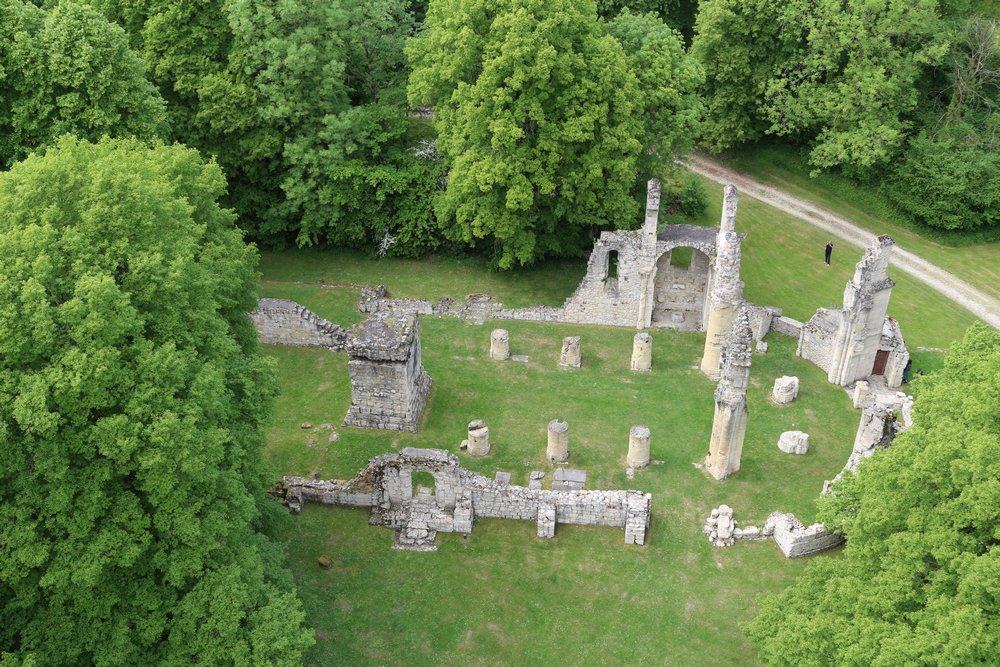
459 497
389 386
635 279
794 442
281 322
859 341
730 421
785 390
569 356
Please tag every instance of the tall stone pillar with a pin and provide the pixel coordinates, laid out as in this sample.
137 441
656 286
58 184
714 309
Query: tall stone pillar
557 450
730 421
726 289
866 299
642 353
650 225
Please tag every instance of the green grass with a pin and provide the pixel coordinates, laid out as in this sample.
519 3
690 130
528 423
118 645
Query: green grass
784 167
504 597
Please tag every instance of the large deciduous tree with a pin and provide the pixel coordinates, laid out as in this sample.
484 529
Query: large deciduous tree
917 583
535 108
132 406
68 70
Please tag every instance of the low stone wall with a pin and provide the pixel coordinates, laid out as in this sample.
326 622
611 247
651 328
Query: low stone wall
461 495
282 322
795 539
786 326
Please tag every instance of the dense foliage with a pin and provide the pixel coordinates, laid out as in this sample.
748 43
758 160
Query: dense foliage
68 70
536 113
918 580
132 406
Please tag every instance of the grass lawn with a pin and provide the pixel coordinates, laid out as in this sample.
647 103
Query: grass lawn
505 597
784 167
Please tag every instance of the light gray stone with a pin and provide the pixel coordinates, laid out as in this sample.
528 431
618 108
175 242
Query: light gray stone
793 442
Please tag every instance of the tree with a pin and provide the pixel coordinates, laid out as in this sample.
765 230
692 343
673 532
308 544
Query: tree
740 44
536 117
669 105
917 581
132 407
69 71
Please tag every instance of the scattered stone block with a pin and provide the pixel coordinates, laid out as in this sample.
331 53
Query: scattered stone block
786 388
557 450
502 477
794 442
720 527
535 484
305 425
325 562
500 345
638 447
569 357
761 347
567 479
642 352
522 358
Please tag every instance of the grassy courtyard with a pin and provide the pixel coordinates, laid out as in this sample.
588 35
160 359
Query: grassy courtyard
503 596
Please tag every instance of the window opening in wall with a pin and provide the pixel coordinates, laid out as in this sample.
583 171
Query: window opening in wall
681 257
423 483
613 264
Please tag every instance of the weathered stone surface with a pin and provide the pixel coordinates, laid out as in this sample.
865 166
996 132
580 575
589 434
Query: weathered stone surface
385 485
796 540
761 347
638 447
569 357
479 438
567 479
282 322
730 420
720 527
861 393
785 389
502 477
794 442
500 345
557 449
389 386
642 352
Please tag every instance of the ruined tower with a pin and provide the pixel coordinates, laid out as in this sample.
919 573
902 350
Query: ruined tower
727 288
730 421
866 298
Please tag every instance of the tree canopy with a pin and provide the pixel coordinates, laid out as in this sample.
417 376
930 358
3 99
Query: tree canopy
68 70
536 114
132 407
918 580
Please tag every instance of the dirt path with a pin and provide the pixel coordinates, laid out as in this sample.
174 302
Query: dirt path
982 305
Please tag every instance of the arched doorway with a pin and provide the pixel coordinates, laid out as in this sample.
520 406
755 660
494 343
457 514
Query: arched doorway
680 288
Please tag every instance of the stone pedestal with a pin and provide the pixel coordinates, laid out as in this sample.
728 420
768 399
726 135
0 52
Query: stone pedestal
479 438
638 447
642 353
557 450
786 388
500 345
794 442
570 355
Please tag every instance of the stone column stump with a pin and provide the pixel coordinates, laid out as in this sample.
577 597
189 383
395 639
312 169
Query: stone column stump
642 353
785 389
638 447
478 443
570 355
500 345
557 450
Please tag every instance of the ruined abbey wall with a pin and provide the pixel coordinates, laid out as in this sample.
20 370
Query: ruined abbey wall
281 322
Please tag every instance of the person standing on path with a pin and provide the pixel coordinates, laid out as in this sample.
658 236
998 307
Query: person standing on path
829 251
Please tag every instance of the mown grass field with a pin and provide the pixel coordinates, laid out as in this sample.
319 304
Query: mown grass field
503 596
960 253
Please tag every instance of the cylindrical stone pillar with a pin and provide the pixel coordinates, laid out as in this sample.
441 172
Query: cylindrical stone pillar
479 438
638 447
642 352
570 355
557 450
500 345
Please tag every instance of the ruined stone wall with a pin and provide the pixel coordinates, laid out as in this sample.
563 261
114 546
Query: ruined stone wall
786 326
281 322
385 485
816 338
795 539
615 301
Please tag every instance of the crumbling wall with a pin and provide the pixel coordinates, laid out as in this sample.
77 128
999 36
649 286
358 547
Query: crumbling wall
282 322
816 337
385 485
795 539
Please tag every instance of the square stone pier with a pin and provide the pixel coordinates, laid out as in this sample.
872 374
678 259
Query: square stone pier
389 386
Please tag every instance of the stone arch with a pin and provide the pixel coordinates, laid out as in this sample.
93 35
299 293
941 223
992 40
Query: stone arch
680 293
